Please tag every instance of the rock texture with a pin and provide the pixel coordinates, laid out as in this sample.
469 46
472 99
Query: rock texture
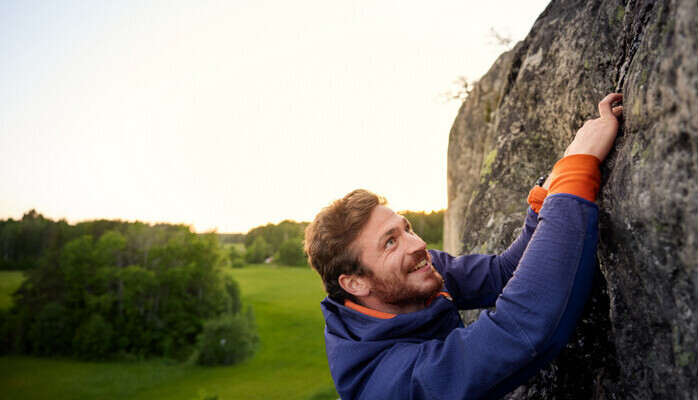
639 335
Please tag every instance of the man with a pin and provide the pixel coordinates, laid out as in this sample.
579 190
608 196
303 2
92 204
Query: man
392 326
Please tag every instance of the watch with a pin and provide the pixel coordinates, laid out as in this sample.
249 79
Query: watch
541 180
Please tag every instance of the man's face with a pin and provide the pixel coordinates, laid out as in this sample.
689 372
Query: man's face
399 269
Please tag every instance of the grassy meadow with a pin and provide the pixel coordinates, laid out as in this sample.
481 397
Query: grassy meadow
290 363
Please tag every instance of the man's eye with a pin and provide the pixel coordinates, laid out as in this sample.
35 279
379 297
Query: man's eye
390 242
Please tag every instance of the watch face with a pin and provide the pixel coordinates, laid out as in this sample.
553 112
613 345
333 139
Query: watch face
541 180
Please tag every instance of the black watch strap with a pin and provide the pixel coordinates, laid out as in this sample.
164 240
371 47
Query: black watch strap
541 180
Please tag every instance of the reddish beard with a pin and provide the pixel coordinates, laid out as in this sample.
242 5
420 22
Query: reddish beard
396 290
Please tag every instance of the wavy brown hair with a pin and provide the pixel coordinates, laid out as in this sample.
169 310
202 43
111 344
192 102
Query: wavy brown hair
329 238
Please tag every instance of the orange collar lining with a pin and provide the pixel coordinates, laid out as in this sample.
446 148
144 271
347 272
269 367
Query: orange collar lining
368 311
444 294
384 315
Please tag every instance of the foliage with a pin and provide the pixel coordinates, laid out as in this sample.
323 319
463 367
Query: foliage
237 258
429 226
51 332
228 339
275 234
291 252
93 339
226 238
126 288
24 243
233 289
258 251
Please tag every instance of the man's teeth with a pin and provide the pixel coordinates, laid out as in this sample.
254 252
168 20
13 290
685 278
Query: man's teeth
421 265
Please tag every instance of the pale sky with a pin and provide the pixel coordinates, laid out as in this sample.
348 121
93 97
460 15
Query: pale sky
233 114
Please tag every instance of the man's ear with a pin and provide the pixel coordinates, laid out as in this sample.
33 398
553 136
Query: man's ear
354 284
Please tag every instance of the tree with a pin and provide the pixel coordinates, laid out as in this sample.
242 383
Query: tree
291 252
258 251
275 234
120 287
93 339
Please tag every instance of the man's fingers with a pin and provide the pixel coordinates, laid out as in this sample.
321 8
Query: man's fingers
605 105
617 111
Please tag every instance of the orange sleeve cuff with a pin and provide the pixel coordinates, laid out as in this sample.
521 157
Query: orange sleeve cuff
577 174
536 197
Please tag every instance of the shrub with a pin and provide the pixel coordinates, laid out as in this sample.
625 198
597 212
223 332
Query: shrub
239 263
228 339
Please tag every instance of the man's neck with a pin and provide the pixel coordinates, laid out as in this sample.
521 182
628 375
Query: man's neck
376 304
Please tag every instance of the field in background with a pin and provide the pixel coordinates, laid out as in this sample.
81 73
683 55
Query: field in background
290 364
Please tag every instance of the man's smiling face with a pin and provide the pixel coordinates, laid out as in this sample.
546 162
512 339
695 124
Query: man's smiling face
398 268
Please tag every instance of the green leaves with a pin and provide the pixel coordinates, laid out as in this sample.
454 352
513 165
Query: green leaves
228 339
136 290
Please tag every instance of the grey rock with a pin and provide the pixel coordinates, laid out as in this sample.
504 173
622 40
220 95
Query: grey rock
637 338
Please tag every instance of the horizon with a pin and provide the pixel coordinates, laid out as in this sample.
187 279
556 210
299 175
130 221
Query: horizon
228 116
151 223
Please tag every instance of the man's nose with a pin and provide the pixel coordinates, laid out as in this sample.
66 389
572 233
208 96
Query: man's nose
416 244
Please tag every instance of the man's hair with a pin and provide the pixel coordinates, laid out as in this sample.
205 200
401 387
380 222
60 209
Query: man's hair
329 238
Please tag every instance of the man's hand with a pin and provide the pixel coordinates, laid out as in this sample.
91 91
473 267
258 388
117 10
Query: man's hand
596 137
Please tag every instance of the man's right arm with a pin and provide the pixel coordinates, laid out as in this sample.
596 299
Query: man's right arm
535 314
540 306
475 280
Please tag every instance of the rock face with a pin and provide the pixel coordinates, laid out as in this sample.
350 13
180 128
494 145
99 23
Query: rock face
639 335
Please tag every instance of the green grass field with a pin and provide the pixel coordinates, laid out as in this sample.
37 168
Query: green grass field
290 364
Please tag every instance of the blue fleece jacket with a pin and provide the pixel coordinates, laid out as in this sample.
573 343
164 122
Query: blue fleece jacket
538 287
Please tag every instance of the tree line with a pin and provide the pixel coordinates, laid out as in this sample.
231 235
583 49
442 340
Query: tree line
118 290
24 242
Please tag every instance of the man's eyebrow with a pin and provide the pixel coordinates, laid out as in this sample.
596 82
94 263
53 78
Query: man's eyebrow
391 231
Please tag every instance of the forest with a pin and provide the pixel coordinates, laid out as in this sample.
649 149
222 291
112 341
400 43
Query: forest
114 290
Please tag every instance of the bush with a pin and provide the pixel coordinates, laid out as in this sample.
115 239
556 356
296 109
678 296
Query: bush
228 339
239 263
93 339
291 252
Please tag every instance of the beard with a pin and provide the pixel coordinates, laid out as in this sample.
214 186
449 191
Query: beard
397 290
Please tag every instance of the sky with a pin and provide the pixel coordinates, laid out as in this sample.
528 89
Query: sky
228 115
